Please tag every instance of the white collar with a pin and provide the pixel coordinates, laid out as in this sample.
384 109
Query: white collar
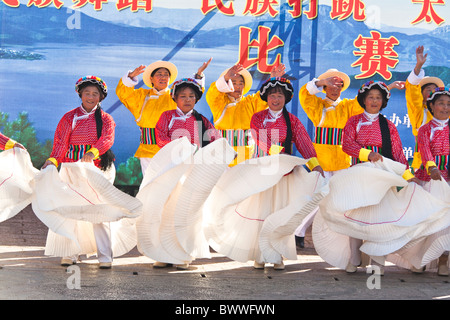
333 103
371 116
84 115
179 116
368 116
181 113
441 123
159 93
275 114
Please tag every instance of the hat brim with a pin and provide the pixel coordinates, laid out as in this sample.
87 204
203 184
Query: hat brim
336 73
156 65
434 80
248 79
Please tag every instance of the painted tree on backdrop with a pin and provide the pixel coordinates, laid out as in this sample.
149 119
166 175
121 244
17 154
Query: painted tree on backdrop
22 130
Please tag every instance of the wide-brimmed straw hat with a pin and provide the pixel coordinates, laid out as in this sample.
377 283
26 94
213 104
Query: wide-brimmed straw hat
156 65
248 79
434 80
336 73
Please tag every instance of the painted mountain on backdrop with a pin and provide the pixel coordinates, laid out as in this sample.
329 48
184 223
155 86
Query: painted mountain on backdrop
31 26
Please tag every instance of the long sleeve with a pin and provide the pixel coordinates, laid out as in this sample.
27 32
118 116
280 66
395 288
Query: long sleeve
417 112
163 136
349 144
301 139
5 142
61 138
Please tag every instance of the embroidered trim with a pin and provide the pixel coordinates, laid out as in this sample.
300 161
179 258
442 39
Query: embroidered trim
236 138
331 136
77 151
372 148
148 135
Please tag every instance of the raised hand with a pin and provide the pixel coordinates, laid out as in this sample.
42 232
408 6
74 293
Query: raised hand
139 70
199 74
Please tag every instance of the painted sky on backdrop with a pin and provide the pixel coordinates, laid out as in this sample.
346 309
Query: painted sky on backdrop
376 18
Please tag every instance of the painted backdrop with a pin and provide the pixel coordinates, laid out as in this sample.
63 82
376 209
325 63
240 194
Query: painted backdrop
46 45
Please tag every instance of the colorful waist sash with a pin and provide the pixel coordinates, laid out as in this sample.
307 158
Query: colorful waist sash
372 148
77 151
148 135
441 161
236 138
331 136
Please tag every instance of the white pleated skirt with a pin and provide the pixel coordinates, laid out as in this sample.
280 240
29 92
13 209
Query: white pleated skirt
70 201
365 202
16 182
177 182
255 207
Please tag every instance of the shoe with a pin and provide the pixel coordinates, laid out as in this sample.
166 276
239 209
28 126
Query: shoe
158 264
443 270
442 266
300 242
105 265
278 266
351 268
184 266
65 262
415 270
258 265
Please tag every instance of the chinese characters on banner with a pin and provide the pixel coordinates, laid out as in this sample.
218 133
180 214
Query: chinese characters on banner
375 54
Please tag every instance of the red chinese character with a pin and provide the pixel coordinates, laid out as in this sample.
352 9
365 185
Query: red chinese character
342 9
259 7
428 12
12 3
97 3
377 55
313 9
296 8
206 7
44 3
135 5
262 46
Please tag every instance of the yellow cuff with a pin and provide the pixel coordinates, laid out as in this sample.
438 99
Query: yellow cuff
430 164
364 154
95 152
407 175
275 149
312 163
10 144
54 161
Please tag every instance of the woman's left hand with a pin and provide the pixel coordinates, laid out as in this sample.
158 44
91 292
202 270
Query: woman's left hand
320 170
202 68
18 145
414 180
88 157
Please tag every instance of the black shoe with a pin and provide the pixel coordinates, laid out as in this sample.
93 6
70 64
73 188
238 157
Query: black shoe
300 242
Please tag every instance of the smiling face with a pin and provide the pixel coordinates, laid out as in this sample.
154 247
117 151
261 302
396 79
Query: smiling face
441 107
373 101
160 78
90 97
276 100
185 99
239 85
